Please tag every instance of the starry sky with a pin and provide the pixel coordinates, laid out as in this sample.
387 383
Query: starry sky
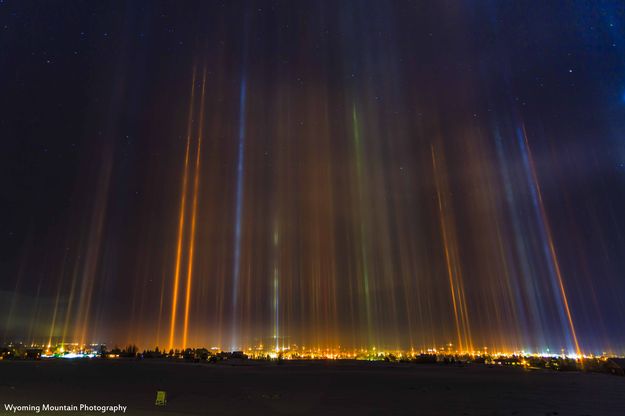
390 174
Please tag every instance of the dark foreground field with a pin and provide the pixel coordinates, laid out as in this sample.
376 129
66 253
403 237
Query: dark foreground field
307 388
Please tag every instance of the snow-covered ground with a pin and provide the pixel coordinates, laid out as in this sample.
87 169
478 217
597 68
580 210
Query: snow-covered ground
308 388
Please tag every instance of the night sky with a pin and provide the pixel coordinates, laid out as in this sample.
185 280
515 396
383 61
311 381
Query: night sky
389 174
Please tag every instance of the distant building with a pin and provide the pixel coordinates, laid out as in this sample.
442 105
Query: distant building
5 353
616 366
227 355
239 354
34 353
562 364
